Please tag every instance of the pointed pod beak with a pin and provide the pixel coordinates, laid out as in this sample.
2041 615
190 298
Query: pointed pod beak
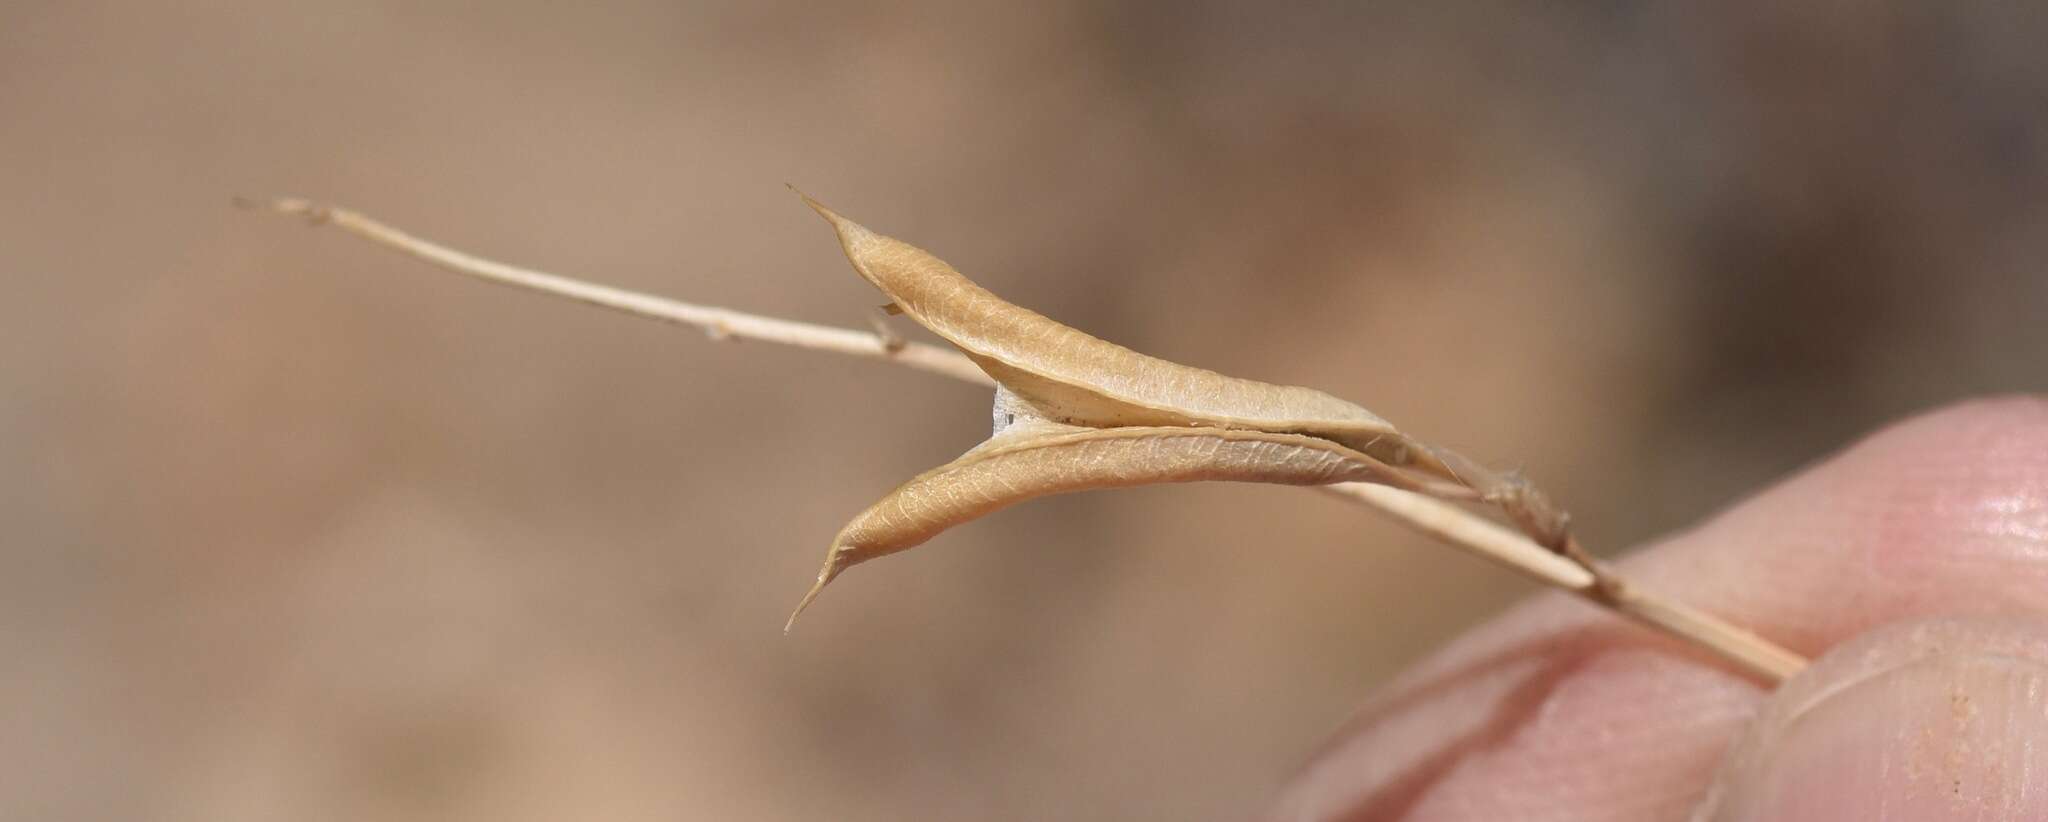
825 576
823 211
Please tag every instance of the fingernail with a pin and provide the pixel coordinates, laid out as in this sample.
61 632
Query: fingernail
1932 721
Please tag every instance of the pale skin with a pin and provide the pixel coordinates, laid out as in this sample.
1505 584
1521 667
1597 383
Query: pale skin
1553 711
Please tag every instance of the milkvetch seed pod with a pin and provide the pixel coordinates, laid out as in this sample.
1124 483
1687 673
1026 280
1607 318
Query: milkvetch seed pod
1033 458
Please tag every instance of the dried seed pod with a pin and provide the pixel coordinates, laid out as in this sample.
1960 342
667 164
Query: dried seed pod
1033 457
1067 375
1587 578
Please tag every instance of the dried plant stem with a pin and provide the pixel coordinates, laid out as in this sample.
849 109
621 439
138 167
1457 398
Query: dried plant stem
719 323
1461 529
1577 573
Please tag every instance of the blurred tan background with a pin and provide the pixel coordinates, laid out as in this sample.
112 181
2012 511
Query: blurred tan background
299 529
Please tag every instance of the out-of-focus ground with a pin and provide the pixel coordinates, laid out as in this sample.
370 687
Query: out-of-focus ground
299 529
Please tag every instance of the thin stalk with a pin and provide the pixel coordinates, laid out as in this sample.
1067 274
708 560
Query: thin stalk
718 323
1475 535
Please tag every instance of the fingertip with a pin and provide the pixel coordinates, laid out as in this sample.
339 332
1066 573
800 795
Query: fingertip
1947 507
1924 720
